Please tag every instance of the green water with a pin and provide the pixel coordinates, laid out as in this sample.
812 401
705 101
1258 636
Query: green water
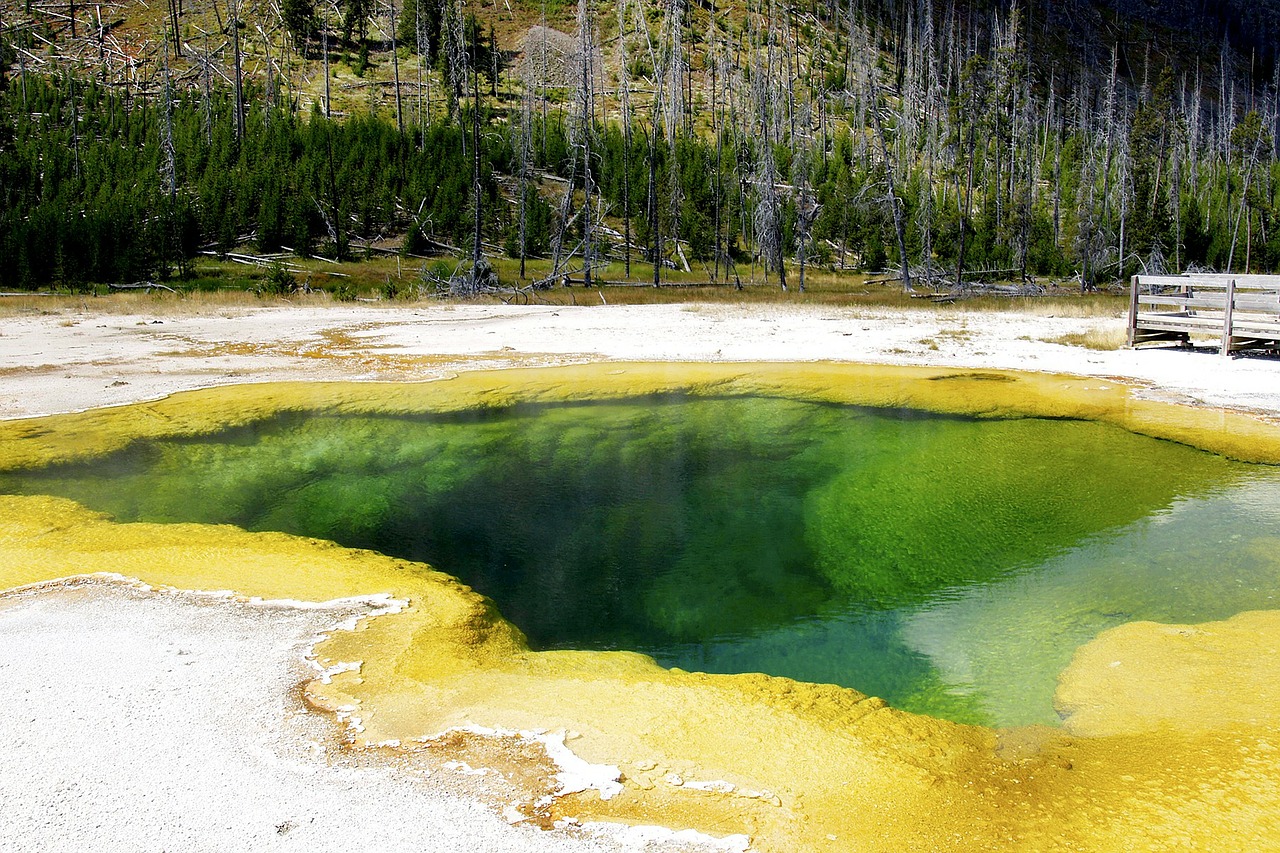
948 565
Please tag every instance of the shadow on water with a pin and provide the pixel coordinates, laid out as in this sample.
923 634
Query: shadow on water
816 541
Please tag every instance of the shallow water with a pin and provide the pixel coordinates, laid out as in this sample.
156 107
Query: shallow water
947 564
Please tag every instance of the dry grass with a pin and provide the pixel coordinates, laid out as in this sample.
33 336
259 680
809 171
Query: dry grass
222 285
1076 305
157 304
849 296
1096 339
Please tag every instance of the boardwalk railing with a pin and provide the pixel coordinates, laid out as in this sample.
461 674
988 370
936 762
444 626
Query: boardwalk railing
1242 310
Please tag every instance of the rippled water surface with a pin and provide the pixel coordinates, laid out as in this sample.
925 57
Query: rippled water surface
949 565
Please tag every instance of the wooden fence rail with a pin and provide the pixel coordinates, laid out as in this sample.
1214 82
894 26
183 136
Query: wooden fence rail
1243 311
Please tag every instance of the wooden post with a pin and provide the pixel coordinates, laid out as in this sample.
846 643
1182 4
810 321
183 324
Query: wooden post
1228 309
1133 311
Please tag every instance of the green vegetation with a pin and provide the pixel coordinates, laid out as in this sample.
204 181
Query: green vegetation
84 194
956 148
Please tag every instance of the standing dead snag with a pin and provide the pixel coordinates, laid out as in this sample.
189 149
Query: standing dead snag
168 165
395 66
457 64
894 201
655 231
237 25
715 58
671 45
768 109
524 183
585 102
422 37
479 273
324 46
1249 140
624 111
807 209
651 137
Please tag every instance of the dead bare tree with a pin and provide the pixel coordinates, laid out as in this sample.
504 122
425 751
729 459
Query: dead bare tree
324 47
395 65
767 109
457 63
236 25
894 201
584 130
676 70
1250 139
970 115
480 272
522 145
624 115
422 36
168 162
656 110
716 62
1089 236
807 209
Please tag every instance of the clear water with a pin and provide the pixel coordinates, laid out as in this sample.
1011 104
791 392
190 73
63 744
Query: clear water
948 565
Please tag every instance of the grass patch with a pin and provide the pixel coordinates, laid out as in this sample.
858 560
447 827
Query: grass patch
1078 305
1104 339
215 283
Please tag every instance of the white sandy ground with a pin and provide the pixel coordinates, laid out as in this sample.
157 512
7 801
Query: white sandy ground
78 359
138 721
144 721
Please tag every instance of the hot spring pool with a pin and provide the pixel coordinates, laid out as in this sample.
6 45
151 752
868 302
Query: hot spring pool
948 564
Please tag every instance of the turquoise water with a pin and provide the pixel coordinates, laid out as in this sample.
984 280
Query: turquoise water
946 564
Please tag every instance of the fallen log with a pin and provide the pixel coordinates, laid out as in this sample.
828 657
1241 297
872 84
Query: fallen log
142 285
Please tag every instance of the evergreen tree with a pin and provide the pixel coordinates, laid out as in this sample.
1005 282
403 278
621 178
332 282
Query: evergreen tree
424 14
355 20
1152 135
300 20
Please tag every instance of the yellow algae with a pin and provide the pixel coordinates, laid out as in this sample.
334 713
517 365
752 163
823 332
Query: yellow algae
806 761
812 767
44 538
56 438
1144 675
449 660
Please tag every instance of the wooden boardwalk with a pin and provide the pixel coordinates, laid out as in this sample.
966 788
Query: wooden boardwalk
1242 311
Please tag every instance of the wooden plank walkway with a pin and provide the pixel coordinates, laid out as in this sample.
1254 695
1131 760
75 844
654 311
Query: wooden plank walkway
1242 311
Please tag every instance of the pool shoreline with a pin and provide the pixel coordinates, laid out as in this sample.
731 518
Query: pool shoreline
73 360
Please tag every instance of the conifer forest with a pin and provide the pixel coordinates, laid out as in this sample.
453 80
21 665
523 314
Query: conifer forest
748 141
